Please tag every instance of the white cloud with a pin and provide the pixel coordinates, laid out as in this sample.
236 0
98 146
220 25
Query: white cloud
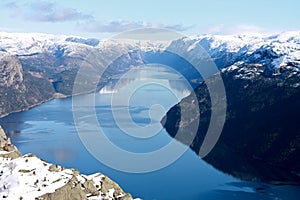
45 11
236 29
123 25
48 11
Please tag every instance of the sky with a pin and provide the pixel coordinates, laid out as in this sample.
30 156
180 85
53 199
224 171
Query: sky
105 18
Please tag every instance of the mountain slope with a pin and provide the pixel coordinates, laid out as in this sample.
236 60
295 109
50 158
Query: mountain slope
261 136
20 89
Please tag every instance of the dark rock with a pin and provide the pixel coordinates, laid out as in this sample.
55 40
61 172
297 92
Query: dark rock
19 89
260 140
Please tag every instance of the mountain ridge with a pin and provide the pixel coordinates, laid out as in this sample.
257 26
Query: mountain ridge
54 60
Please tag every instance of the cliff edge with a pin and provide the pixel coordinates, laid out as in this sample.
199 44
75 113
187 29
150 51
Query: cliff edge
29 177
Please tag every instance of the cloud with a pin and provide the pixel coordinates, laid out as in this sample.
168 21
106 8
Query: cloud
236 29
44 11
11 5
123 25
48 11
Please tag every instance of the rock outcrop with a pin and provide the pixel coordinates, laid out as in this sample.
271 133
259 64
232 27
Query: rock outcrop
29 177
7 149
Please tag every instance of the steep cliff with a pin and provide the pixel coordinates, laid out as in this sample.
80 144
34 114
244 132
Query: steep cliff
20 89
261 136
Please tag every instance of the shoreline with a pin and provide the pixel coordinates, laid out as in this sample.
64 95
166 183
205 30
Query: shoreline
55 96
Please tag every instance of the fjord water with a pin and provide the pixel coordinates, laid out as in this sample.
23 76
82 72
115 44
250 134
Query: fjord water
49 132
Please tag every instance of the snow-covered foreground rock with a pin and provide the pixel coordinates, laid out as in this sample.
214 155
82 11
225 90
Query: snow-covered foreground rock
28 177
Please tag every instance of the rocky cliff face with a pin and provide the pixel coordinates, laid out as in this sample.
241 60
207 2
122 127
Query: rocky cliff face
260 140
20 89
28 177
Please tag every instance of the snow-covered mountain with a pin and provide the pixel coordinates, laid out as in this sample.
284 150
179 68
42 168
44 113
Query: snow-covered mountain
34 43
26 44
274 51
278 50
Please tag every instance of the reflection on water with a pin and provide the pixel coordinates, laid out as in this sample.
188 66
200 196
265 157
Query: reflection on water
158 74
49 132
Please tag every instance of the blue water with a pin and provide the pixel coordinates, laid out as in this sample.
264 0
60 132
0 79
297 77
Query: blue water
49 132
